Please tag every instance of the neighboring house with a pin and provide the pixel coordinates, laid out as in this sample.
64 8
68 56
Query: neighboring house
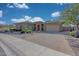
69 27
40 26
3 28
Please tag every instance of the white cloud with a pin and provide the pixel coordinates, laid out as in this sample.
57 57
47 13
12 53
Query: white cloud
60 4
10 6
18 5
23 5
28 18
36 19
2 22
1 13
18 20
55 14
25 18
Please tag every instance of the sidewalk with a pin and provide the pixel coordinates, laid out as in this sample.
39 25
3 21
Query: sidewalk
21 47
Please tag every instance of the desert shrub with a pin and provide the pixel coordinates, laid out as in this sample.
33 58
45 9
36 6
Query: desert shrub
72 33
26 30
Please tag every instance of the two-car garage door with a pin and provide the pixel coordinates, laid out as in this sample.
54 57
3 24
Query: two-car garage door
52 28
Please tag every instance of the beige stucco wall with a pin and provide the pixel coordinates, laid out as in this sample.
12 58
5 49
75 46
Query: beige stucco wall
23 25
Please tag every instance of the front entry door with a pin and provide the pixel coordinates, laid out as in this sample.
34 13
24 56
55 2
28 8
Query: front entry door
38 27
42 27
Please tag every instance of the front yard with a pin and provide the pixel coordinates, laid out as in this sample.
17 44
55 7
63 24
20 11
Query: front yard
59 41
54 41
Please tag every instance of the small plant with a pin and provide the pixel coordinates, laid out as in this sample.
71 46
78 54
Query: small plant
26 30
72 33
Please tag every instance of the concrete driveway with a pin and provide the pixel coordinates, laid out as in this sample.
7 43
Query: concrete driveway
18 47
54 41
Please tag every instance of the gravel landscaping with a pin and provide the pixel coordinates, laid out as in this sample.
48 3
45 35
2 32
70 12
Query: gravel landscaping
74 43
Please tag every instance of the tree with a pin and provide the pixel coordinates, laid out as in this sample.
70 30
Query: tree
71 15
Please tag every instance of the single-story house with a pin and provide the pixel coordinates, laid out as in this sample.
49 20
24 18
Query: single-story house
40 26
48 26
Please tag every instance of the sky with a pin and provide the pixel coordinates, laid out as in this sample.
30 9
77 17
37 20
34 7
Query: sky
19 12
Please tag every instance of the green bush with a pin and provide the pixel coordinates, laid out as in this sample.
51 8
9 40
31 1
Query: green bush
72 33
12 27
26 30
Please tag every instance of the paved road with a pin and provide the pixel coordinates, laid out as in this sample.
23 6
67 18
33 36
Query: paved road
2 52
